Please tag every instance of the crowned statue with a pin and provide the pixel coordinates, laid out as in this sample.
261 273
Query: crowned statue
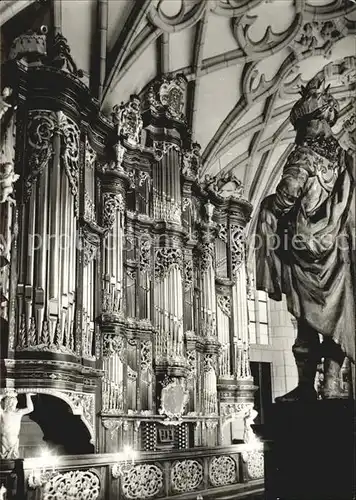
305 249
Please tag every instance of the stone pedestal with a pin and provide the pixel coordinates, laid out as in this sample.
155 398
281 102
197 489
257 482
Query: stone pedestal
310 451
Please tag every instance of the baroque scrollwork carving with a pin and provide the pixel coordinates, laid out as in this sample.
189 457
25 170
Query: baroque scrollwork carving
161 148
40 132
235 409
167 258
83 404
206 253
128 118
167 94
60 56
237 233
91 242
186 475
145 254
146 355
192 363
70 153
90 156
142 481
222 471
188 273
89 208
112 203
72 485
224 302
222 232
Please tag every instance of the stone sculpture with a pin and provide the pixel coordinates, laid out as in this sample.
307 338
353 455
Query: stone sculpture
10 423
304 251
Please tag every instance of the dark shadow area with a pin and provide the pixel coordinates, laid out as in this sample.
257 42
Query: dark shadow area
63 432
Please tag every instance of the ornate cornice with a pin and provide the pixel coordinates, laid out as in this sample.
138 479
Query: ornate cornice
35 84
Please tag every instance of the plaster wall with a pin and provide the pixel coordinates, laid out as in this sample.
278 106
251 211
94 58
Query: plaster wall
279 351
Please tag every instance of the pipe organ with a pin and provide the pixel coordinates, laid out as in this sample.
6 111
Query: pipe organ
125 286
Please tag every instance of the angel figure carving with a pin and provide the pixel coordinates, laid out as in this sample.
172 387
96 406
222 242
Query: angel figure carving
10 423
7 181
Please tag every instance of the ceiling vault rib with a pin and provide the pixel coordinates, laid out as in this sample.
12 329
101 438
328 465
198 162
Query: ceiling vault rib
102 28
276 140
164 59
223 131
123 42
194 85
9 10
135 54
242 159
267 114
56 10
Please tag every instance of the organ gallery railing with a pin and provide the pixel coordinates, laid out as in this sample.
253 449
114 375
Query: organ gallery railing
147 475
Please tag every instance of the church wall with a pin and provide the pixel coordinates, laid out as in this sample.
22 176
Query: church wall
279 351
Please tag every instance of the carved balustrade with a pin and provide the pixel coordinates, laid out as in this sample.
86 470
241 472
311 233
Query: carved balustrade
152 475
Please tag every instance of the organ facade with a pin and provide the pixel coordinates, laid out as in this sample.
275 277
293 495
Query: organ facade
123 268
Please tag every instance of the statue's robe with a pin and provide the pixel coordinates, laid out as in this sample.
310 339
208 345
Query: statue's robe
311 214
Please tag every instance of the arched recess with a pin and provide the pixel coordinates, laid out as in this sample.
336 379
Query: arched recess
64 420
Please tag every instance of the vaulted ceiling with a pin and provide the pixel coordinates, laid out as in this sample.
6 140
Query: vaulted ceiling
244 60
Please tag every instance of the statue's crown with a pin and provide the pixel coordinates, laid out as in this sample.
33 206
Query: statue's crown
315 96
